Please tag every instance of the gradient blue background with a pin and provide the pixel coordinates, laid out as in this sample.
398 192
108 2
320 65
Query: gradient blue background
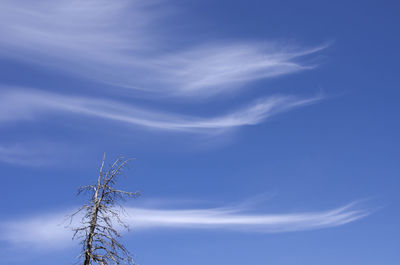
341 149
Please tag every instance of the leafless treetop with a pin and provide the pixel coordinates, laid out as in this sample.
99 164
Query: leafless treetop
101 218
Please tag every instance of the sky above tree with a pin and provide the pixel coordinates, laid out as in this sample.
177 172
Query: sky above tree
263 132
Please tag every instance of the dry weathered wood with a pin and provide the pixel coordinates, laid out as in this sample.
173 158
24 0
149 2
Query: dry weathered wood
101 216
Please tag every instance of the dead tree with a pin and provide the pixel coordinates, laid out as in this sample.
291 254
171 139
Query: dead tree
101 218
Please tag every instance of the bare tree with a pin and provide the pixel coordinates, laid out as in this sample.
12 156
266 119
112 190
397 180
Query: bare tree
101 218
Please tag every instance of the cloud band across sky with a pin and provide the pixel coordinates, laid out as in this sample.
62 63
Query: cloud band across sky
31 105
123 43
49 230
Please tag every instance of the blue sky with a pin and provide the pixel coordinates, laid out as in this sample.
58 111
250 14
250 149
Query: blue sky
263 132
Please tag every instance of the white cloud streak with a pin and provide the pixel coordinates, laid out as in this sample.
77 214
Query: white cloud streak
236 219
29 105
48 230
29 154
37 153
123 43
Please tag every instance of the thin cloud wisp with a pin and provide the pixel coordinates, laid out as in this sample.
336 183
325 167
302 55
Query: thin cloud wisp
28 105
50 230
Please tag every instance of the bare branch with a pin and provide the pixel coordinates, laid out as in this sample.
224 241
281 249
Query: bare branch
99 216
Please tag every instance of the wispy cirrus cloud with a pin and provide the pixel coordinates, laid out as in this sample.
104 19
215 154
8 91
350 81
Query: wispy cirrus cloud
29 105
30 154
34 152
123 43
211 69
235 218
49 229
